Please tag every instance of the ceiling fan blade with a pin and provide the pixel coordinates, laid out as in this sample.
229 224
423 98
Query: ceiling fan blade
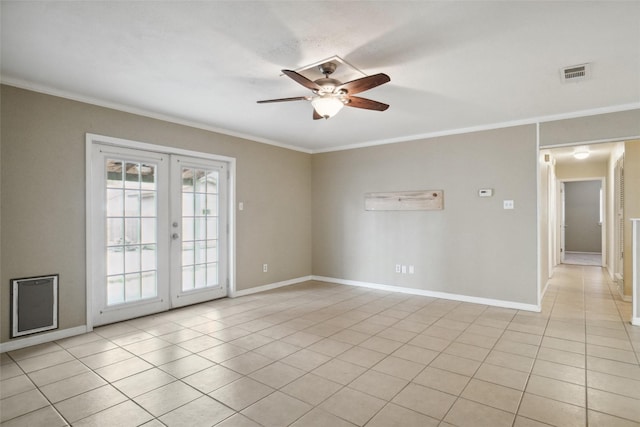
365 83
367 104
316 116
299 78
297 98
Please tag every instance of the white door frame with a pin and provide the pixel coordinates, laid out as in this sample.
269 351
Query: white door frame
603 225
90 145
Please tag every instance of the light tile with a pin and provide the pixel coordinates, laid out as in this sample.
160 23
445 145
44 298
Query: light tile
563 357
503 376
15 385
105 358
57 373
339 371
382 345
425 400
238 420
202 412
247 362
200 343
20 404
165 355
456 364
222 352
330 347
46 360
302 339
598 419
319 418
123 369
557 390
311 389
468 351
125 414
494 395
277 410
186 366
398 367
466 413
560 372
438 379
89 403
350 336
415 354
551 411
277 374
277 350
614 404
167 398
362 356
46 416
241 393
396 416
211 379
306 360
143 382
511 361
378 384
353 406
71 386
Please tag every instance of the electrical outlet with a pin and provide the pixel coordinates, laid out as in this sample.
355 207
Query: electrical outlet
265 268
411 269
398 268
508 204
404 269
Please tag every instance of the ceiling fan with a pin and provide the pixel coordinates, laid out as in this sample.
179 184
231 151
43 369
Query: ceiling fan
330 95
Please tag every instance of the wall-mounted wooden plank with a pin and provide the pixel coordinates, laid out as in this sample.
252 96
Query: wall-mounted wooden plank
427 200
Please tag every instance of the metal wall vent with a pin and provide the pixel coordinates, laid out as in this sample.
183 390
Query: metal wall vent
575 73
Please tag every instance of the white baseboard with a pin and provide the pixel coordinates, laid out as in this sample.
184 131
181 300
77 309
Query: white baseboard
544 291
42 338
435 294
635 321
268 287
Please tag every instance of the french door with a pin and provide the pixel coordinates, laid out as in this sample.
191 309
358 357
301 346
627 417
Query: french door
159 227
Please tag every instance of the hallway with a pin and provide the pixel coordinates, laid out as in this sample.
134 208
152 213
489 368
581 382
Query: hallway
320 354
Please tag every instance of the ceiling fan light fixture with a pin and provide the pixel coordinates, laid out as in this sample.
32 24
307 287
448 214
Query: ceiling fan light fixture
327 106
581 153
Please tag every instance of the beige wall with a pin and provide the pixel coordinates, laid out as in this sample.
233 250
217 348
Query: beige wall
581 170
473 247
609 126
43 195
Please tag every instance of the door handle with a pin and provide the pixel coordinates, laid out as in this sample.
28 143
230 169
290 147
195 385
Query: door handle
175 236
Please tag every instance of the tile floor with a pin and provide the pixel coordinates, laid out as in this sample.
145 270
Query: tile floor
319 354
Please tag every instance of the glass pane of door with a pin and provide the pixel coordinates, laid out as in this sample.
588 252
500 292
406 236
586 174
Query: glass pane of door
131 223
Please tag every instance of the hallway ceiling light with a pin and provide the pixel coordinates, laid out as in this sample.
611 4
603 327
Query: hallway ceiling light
581 153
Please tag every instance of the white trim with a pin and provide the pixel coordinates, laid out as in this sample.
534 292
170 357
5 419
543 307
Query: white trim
634 271
143 112
493 126
539 218
544 291
590 142
435 294
167 118
43 338
268 287
635 321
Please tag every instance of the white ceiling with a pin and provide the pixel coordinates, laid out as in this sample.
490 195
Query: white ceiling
453 65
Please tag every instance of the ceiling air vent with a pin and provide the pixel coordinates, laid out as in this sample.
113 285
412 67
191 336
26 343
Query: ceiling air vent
575 73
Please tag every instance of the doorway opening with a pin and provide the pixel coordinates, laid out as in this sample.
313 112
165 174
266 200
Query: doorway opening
582 212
